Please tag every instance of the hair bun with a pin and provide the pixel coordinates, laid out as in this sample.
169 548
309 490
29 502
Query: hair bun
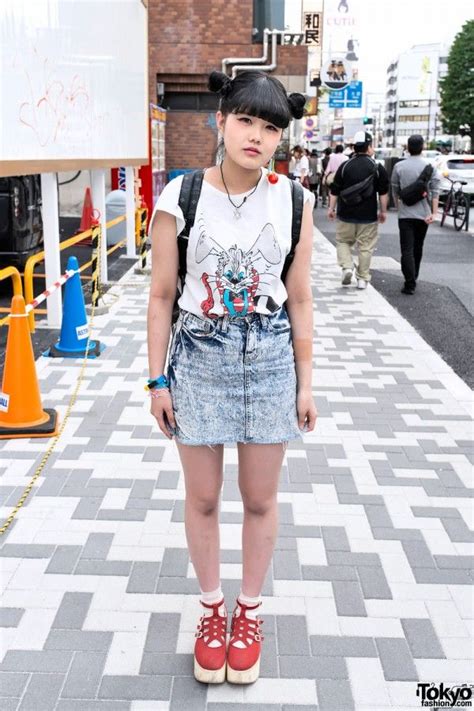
219 83
297 103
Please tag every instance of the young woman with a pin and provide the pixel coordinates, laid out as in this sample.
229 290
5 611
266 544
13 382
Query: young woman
301 169
240 359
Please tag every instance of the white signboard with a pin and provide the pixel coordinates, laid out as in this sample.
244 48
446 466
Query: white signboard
74 84
417 76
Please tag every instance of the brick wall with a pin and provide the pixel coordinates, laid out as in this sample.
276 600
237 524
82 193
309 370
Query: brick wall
187 40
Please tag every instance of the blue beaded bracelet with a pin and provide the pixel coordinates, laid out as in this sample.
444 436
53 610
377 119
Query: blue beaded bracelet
157 383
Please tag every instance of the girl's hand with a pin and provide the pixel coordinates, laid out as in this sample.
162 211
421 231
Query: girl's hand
162 410
307 412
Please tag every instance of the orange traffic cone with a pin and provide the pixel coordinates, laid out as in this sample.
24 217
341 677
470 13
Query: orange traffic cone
87 216
21 412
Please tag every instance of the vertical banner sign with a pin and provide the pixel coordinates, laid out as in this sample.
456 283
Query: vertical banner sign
312 28
342 32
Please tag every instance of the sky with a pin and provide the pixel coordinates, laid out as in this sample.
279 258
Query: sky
388 27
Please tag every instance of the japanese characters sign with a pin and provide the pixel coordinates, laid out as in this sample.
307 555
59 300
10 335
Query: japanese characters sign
313 28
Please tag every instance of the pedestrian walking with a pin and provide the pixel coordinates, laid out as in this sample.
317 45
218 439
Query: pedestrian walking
314 173
415 186
301 169
239 363
354 191
335 160
324 187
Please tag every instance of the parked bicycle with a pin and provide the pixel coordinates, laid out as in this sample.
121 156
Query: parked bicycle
455 204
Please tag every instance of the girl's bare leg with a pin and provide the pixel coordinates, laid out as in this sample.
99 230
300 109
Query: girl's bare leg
203 475
259 473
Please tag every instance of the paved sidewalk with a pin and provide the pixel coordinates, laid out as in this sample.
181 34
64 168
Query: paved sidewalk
370 587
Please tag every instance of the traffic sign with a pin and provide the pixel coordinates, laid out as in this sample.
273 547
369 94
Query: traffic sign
348 98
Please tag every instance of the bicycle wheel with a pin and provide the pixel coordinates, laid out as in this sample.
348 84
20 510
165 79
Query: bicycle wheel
446 208
459 210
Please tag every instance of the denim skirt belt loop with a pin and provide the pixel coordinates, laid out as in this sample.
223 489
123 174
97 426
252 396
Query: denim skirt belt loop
233 379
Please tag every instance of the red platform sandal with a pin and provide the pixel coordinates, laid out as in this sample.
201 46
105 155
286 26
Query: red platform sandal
209 656
243 654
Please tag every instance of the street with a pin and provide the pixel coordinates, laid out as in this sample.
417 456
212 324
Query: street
442 309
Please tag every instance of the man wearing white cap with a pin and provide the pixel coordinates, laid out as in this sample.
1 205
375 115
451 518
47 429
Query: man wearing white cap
354 191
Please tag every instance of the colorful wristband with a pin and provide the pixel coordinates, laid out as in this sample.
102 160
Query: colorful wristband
157 383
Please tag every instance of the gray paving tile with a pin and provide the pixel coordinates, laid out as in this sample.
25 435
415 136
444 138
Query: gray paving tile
83 641
42 692
153 454
334 695
374 583
144 577
135 688
48 661
84 676
269 658
442 577
332 646
329 572
125 515
187 694
167 664
175 562
292 635
64 560
92 705
465 562
11 616
73 611
97 546
335 538
31 550
396 659
167 480
418 554
10 704
349 599
286 565
103 567
422 639
162 635
13 683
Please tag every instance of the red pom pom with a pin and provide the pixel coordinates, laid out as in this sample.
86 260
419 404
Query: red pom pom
272 178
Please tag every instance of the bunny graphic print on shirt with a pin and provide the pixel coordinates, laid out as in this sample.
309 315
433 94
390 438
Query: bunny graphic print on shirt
234 266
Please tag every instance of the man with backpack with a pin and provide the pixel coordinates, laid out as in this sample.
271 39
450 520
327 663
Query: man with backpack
355 188
415 185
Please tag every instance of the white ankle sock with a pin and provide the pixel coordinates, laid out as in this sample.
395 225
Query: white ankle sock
210 598
213 596
250 601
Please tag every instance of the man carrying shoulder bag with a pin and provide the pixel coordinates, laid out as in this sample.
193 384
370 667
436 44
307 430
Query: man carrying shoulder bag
415 185
357 185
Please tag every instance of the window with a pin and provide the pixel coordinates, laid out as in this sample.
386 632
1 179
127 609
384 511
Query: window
267 13
413 118
418 104
190 101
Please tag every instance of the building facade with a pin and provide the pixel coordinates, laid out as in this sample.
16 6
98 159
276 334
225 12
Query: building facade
187 40
412 96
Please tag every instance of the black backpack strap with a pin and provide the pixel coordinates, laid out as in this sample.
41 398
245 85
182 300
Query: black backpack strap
297 200
188 200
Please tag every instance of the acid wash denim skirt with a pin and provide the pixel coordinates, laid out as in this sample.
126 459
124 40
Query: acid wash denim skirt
233 379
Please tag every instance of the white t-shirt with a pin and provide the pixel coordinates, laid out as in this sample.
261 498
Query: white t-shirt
300 165
234 265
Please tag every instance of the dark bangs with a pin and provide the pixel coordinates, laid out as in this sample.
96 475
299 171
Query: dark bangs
257 94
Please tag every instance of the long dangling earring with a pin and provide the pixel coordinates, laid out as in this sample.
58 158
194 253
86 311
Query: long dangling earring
272 177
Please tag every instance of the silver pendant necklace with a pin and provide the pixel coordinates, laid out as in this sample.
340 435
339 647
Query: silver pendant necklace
236 212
